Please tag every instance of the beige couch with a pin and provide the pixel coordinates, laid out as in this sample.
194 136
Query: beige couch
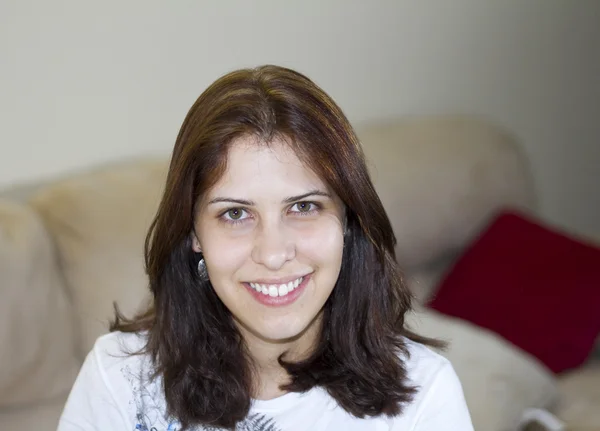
70 247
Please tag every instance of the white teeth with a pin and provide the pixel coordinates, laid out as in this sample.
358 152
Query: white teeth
277 290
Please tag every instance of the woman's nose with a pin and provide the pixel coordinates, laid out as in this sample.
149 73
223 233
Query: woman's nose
274 246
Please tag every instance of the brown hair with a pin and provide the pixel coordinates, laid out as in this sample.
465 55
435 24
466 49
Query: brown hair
192 339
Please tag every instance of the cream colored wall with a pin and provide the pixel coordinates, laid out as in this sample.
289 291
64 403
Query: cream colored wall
89 82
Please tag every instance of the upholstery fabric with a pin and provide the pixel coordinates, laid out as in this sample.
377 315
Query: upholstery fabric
534 286
499 381
37 349
441 180
99 221
42 416
580 397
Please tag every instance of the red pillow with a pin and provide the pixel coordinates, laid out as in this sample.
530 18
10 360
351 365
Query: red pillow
535 287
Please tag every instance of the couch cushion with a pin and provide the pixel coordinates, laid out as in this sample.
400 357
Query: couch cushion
37 341
499 381
99 221
43 416
534 286
442 179
580 397
423 281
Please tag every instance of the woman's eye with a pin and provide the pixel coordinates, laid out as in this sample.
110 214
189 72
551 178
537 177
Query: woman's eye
235 214
304 207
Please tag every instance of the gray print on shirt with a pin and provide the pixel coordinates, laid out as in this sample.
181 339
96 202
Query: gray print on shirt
149 409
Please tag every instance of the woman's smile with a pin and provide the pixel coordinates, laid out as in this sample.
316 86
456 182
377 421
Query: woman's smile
278 294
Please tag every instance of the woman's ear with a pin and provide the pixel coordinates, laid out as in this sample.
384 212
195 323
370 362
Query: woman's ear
195 243
345 224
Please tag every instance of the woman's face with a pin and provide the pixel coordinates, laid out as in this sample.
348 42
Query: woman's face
271 233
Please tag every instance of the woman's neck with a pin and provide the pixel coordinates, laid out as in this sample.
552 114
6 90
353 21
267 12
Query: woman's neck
268 374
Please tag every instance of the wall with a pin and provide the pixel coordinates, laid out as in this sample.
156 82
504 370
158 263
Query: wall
89 82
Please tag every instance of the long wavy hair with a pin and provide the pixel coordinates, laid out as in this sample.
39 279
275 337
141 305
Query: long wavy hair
192 339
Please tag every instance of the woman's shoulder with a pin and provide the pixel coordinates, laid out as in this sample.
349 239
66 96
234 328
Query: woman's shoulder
121 360
129 372
116 348
419 355
113 385
424 366
439 402
117 341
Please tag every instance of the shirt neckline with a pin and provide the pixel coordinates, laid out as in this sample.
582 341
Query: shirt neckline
282 402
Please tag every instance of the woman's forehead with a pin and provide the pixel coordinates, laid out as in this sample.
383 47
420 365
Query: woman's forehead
255 165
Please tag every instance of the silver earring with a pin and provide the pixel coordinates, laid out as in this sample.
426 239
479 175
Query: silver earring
202 272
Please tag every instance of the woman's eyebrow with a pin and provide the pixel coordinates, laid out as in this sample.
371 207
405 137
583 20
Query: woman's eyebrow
231 200
287 200
314 192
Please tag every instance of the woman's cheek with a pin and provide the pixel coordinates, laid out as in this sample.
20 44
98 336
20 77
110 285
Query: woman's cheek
323 241
227 254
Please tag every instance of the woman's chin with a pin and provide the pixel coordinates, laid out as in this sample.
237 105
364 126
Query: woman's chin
278 332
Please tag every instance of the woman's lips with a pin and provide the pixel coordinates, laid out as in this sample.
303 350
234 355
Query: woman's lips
277 300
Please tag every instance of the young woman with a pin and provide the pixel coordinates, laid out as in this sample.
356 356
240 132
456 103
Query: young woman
278 303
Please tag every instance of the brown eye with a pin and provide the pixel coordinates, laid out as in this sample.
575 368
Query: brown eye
304 207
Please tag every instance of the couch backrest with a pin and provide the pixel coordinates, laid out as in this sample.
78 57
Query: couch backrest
99 221
442 179
37 342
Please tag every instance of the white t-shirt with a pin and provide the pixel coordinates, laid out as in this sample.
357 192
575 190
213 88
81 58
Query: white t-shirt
112 393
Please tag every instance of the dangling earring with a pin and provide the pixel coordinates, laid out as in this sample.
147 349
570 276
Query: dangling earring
202 272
